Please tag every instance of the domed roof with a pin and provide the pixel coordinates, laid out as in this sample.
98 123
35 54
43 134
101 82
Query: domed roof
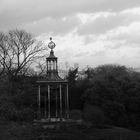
52 74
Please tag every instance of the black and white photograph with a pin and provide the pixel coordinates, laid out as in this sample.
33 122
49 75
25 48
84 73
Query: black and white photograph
69 69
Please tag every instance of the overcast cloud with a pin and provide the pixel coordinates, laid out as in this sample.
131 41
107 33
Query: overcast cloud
88 32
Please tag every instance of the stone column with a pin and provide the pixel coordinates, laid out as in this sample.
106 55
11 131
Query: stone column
45 105
65 101
56 66
56 106
49 108
47 65
53 64
60 101
67 95
39 111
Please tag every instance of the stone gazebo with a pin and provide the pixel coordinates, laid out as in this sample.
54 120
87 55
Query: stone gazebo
53 98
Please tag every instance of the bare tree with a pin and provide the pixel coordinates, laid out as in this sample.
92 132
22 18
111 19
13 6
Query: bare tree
3 53
18 50
41 68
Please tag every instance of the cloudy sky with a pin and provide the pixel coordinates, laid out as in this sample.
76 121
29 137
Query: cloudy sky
88 32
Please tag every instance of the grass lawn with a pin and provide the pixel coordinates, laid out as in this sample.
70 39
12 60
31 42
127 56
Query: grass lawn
26 131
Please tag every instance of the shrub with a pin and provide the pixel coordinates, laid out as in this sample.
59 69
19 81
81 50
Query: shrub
76 114
94 115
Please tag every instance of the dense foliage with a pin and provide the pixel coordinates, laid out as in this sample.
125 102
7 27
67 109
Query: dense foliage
114 90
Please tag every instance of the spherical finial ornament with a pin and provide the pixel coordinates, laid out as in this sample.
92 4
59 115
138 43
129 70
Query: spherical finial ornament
51 45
